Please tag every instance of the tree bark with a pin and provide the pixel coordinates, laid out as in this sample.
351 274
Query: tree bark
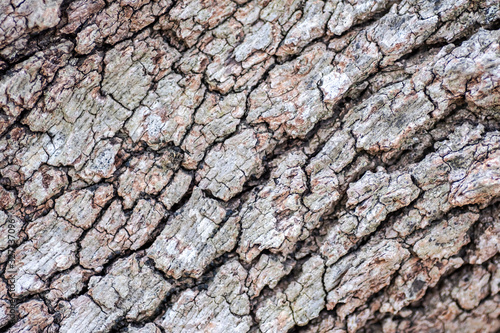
250 166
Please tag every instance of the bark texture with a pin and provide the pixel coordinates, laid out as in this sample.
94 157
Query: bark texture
250 166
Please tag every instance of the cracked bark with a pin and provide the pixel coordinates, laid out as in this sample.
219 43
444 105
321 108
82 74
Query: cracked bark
250 166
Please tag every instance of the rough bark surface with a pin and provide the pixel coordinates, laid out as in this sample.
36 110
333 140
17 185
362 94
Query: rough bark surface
250 166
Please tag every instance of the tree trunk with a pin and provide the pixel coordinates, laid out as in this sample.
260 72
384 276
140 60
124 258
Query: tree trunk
250 166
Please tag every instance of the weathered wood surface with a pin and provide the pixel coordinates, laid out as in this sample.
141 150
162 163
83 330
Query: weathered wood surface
250 166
